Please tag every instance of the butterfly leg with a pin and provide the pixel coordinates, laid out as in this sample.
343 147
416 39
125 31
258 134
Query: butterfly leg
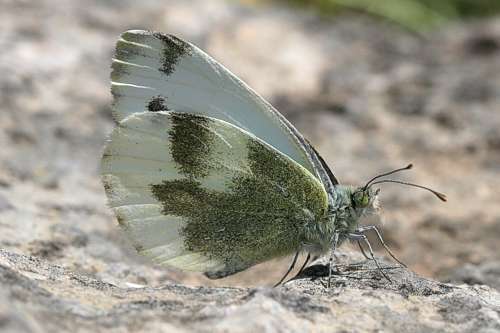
381 240
335 239
303 265
361 237
301 268
363 250
289 269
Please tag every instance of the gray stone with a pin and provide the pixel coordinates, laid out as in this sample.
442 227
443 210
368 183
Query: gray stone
45 297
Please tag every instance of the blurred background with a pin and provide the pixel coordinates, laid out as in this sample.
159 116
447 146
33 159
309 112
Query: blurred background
373 84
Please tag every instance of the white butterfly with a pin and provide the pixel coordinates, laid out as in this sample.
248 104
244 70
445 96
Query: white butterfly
205 175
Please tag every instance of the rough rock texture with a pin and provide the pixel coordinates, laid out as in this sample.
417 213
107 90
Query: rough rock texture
368 95
487 273
46 297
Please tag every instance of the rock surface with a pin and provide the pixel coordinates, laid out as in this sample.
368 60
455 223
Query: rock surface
369 96
43 297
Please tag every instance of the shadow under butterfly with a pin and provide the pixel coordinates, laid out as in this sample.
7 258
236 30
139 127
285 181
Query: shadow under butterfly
204 175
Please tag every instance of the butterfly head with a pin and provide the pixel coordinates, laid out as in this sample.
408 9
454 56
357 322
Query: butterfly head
365 199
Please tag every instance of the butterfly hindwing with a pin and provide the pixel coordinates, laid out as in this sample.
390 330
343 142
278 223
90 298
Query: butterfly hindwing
201 194
158 72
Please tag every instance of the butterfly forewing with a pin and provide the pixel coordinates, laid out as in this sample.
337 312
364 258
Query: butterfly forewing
201 194
157 72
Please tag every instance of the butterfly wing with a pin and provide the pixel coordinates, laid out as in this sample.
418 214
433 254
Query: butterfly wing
201 194
157 72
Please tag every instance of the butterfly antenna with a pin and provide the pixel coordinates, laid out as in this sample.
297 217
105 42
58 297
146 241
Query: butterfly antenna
440 196
408 167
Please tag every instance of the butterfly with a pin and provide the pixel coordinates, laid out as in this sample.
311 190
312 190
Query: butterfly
204 175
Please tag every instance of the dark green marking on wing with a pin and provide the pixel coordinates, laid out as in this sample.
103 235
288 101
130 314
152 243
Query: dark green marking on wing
174 48
191 142
180 196
260 216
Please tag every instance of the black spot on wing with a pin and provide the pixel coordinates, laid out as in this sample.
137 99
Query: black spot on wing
173 49
192 143
157 104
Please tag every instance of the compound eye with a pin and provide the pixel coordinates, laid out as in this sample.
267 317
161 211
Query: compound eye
361 199
365 200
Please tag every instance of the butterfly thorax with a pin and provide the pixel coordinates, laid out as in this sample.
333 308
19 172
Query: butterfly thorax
343 217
